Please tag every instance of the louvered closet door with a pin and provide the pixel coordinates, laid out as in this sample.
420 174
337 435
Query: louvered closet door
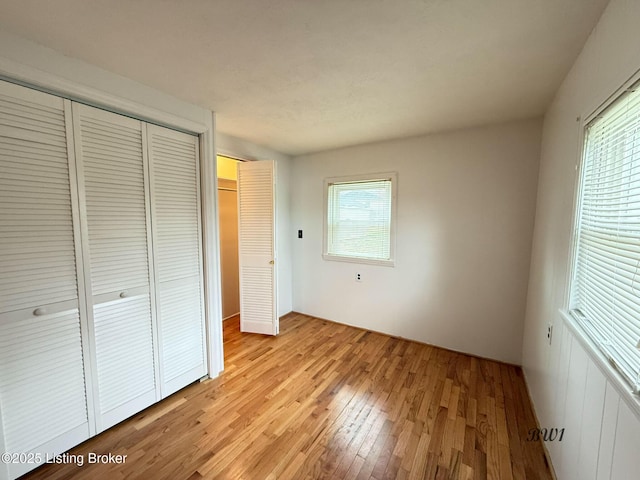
256 245
111 158
43 404
175 200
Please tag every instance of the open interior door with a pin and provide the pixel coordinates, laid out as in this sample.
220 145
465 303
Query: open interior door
257 247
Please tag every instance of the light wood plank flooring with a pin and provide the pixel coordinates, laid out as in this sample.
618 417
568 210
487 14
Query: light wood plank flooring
324 400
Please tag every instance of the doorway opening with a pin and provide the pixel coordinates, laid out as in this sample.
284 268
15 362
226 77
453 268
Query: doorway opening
228 221
246 198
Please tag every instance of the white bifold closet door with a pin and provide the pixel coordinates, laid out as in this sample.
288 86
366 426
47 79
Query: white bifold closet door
175 193
114 199
101 284
256 247
43 403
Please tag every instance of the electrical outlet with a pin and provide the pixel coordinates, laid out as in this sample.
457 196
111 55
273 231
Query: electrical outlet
358 277
549 332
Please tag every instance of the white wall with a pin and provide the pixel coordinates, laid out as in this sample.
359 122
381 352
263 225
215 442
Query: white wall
465 218
568 385
23 54
245 150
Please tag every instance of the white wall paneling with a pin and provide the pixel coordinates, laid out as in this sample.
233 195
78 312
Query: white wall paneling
594 397
600 424
124 325
606 439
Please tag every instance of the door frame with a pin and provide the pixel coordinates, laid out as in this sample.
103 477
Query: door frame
239 159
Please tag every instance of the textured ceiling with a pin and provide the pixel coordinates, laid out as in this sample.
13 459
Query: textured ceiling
306 75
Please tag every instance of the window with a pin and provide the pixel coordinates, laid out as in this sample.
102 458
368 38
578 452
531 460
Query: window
359 218
605 295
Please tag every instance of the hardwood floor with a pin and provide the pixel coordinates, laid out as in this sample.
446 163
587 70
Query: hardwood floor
324 400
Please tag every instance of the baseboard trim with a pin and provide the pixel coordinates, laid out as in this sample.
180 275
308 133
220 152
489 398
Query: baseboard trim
479 357
238 315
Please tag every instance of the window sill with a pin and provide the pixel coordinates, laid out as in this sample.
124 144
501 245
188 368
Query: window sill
602 362
366 261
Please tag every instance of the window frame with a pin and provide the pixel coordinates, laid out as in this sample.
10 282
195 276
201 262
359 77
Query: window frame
393 176
570 313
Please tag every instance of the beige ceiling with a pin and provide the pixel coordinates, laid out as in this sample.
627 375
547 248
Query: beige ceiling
306 75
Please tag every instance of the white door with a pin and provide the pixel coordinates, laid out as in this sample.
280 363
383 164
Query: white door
257 247
114 198
43 403
175 204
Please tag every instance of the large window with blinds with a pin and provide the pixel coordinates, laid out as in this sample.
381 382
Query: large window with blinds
605 295
359 218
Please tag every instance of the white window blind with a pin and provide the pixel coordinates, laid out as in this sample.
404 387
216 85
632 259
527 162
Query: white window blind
606 289
359 219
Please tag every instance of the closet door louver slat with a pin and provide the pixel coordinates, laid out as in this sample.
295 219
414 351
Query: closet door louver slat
117 246
40 327
176 224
